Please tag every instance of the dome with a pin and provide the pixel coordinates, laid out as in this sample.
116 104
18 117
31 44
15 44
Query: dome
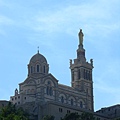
38 57
38 65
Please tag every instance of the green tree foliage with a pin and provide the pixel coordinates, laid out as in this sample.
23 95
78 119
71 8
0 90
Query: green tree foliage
48 117
71 116
75 116
87 116
10 112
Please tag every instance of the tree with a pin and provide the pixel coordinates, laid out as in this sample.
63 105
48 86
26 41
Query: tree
71 116
11 112
87 116
75 116
48 117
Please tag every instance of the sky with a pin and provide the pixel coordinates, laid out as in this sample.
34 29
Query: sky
53 26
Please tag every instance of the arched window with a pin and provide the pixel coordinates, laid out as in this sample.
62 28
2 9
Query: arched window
62 99
44 69
49 83
31 69
49 89
87 91
72 76
71 101
79 76
84 74
89 75
81 104
38 68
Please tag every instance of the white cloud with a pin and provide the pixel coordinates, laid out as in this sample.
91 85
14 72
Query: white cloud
2 32
5 20
107 81
92 17
104 87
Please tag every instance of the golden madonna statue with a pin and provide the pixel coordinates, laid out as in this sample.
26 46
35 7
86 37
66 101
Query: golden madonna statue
80 34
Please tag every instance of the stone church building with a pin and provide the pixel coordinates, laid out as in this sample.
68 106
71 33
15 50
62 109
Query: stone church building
42 94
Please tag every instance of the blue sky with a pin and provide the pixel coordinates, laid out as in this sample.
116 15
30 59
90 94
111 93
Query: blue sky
53 26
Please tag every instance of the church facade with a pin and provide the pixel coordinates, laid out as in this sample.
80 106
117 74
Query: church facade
42 94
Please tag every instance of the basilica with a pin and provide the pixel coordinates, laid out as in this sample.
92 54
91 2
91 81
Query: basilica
41 93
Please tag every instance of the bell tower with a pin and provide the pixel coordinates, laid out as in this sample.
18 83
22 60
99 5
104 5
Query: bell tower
81 73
